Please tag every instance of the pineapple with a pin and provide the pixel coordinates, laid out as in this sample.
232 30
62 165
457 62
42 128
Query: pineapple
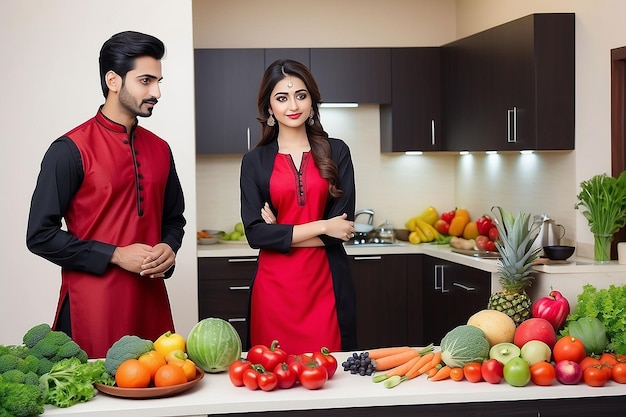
517 235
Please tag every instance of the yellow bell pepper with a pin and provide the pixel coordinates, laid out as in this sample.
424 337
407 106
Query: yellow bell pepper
430 215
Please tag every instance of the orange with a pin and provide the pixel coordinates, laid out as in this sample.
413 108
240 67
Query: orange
132 374
153 360
169 375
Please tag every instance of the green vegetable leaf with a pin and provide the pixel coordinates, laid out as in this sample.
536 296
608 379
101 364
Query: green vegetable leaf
609 306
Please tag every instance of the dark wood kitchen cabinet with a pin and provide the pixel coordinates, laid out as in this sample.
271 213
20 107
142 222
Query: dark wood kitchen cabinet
412 122
451 294
352 75
511 87
388 299
301 55
224 290
227 83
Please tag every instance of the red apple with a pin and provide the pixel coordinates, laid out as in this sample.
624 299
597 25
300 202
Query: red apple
535 329
490 246
493 233
442 226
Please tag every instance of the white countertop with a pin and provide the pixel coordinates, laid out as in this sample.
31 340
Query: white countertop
574 265
215 394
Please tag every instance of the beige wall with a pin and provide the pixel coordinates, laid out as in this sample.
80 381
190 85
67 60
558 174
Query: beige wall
49 82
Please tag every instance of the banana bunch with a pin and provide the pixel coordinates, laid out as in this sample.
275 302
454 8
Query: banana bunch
421 232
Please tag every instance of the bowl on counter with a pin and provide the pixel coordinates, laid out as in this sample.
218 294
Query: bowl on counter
209 236
558 252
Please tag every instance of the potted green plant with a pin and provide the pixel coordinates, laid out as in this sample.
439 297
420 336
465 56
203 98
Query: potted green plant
603 198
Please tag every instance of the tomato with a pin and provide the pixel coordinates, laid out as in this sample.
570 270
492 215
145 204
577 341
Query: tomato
492 371
448 216
490 246
589 361
484 224
481 242
456 374
493 234
569 348
542 373
618 372
595 376
169 342
472 373
313 376
236 370
285 375
608 359
256 377
296 363
324 358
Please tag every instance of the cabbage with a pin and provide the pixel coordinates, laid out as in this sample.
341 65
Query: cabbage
213 344
464 344
591 331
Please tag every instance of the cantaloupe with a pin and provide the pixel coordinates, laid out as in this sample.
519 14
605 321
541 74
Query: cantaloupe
497 326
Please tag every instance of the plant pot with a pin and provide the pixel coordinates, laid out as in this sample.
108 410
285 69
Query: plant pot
602 248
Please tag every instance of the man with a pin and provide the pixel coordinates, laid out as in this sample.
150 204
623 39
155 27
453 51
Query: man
115 185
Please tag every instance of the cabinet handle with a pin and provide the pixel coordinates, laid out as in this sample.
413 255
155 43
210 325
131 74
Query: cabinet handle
432 132
239 260
511 124
368 258
237 319
440 287
239 288
248 136
465 287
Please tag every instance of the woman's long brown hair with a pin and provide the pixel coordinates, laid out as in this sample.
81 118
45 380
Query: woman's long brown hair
318 138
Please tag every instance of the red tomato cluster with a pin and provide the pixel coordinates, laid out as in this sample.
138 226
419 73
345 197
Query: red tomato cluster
270 367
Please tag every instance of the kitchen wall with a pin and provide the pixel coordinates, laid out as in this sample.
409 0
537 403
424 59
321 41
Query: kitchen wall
49 82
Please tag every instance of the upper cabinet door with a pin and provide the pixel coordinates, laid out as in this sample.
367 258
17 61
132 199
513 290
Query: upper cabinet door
227 83
413 121
511 87
349 75
297 54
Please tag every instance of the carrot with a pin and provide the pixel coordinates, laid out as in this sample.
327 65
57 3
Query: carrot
391 361
441 374
387 351
399 370
432 371
436 360
414 371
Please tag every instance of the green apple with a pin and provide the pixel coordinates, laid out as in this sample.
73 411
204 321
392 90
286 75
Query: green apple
517 372
235 235
504 352
535 351
239 227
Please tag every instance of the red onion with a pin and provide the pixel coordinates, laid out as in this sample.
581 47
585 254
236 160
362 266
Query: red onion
568 372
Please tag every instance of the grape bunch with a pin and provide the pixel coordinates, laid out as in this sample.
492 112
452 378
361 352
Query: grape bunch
359 364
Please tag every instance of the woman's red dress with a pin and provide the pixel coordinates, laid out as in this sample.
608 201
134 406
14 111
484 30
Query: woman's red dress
292 296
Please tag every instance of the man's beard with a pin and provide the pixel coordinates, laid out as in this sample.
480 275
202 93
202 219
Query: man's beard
128 102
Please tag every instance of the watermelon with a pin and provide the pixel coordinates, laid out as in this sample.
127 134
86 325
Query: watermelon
213 344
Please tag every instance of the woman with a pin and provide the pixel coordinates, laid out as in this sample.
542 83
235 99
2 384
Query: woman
297 206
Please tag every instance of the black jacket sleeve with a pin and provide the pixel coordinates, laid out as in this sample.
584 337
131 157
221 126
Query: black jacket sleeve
59 179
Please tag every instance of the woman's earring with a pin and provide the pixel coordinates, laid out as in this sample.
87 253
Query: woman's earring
270 121
311 122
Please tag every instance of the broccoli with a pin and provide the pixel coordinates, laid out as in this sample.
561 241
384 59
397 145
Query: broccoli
82 355
31 364
31 378
128 347
14 375
45 365
20 400
50 344
4 350
8 362
68 349
35 334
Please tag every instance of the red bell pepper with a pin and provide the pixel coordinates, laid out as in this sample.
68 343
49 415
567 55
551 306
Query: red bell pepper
325 359
484 224
448 216
554 308
269 357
